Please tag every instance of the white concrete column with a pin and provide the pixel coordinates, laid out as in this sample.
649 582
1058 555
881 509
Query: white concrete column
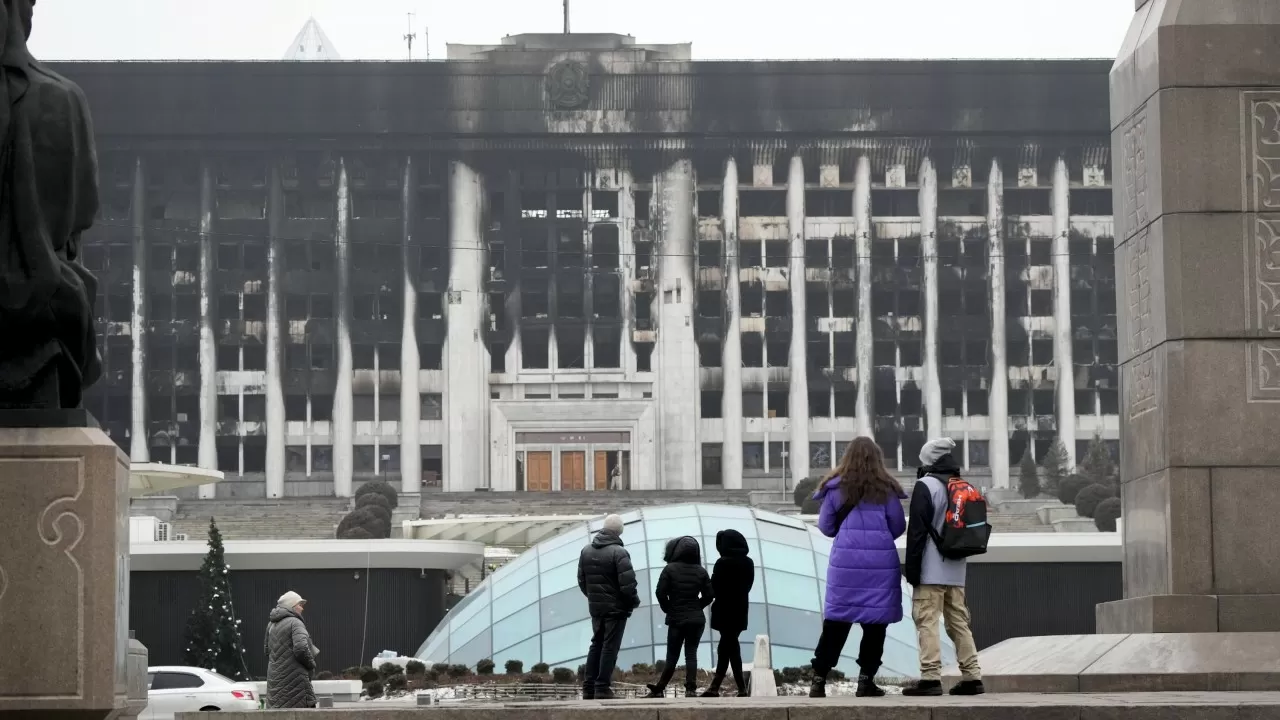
676 362
998 445
798 395
1062 331
207 451
466 368
139 450
929 249
865 343
275 342
627 266
343 432
731 357
410 362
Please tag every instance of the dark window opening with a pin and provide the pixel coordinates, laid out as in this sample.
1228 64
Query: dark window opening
1085 402
752 404
1090 202
978 401
1042 303
1106 351
321 357
911 400
255 408
1042 402
709 254
819 403
569 298
498 357
846 403
828 203
710 404
777 303
816 299
431 204
815 253
779 404
362 356
950 352
751 299
534 350
750 254
1041 251
844 303
296 307
228 357
604 204
644 254
1019 404
962 203
604 247
885 400
535 303
644 355
1027 201
1109 400
228 408
709 353
909 353
255 307
843 252
533 204
229 257
777 253
321 407
535 251
606 347
709 303
388 407
846 349
570 348
895 203
1082 351
752 350
779 353
605 294
952 403
642 200
569 205
295 407
709 204
762 203
884 353
255 357
909 302
1041 352
571 253
430 355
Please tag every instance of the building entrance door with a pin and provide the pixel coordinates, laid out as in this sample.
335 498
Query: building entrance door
538 471
602 470
573 470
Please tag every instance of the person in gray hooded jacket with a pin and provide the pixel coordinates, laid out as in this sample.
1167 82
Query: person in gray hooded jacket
291 658
608 581
938 582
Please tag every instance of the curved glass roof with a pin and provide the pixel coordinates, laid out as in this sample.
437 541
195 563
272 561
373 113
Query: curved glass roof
531 609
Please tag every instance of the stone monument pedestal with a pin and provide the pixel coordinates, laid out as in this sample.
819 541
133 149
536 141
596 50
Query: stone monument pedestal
64 574
1195 115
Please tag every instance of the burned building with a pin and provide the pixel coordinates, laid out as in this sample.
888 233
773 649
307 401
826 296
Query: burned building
571 262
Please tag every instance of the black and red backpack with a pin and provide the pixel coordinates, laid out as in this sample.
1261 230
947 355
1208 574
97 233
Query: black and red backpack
965 530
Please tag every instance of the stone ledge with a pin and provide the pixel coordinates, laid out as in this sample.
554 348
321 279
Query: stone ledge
1122 706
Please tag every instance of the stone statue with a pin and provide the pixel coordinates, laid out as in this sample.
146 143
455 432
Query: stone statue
48 198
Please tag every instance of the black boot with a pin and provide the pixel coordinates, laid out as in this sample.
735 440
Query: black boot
923 688
691 691
867 687
713 690
656 691
588 692
968 687
818 688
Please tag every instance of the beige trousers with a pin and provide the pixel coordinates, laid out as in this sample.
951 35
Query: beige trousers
928 603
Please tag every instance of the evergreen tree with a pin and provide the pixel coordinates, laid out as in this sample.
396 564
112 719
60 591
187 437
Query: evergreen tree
1097 466
1055 467
1028 478
213 633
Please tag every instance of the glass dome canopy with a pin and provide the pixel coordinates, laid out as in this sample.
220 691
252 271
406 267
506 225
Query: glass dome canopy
531 609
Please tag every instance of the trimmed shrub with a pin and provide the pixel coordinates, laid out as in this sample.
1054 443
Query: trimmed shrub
397 683
368 675
324 675
352 673
811 507
1053 469
372 498
641 669
540 668
514 667
373 519
1106 514
562 676
836 676
387 669
382 488
805 490
440 668
659 667
582 671
1070 487
1088 499
415 668
534 679
457 671
374 689
484 667
792 675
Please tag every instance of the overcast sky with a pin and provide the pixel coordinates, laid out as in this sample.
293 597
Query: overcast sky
718 29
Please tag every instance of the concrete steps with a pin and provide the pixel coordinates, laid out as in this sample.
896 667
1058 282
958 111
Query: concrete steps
302 519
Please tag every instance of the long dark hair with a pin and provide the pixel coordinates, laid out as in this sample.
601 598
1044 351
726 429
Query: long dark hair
863 475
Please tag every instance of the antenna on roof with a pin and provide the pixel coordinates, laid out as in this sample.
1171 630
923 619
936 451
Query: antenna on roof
566 17
410 36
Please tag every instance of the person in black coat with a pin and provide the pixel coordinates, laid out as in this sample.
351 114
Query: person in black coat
607 579
684 591
731 581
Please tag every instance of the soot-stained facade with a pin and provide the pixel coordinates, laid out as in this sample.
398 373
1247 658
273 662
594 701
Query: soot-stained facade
571 262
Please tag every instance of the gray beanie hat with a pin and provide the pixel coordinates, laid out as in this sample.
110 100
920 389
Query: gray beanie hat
935 449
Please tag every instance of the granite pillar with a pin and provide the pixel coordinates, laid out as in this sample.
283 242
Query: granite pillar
64 574
1195 106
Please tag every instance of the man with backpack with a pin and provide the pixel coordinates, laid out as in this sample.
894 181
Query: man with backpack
947 523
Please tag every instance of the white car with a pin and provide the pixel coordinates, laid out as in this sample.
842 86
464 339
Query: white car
172 689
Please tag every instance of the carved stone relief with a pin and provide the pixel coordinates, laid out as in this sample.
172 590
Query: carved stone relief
1261 146
1142 397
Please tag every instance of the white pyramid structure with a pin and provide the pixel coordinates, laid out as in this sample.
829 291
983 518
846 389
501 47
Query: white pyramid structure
312 44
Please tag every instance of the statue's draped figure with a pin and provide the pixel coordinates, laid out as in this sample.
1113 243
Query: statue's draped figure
48 198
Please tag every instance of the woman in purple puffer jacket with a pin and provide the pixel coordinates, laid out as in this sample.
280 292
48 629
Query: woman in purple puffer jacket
862 510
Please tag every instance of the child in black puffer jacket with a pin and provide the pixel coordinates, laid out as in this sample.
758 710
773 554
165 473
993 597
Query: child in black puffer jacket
684 591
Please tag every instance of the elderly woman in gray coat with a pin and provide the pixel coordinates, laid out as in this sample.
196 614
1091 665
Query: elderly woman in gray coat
291 658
